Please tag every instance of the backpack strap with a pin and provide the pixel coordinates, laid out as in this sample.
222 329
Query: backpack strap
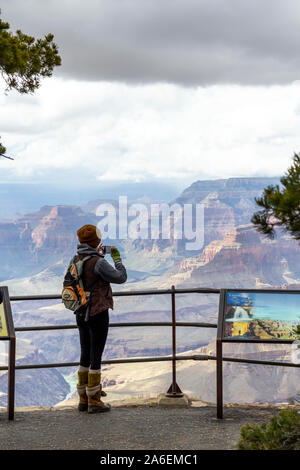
87 312
79 266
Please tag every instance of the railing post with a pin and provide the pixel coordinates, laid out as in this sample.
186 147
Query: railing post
219 370
11 354
11 378
174 390
219 354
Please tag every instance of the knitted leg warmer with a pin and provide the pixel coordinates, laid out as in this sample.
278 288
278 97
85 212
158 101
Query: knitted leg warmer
81 388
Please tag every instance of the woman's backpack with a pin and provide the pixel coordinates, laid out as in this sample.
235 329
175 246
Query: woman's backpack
74 296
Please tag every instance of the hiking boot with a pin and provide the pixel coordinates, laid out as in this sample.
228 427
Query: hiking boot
93 391
96 405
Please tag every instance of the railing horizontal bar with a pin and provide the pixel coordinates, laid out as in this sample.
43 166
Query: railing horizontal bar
15 298
41 328
124 324
197 290
253 361
113 361
200 290
156 359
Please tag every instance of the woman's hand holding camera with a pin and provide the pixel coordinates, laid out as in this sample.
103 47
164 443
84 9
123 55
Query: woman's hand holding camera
115 254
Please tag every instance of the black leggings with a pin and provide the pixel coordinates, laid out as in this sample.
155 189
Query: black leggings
92 334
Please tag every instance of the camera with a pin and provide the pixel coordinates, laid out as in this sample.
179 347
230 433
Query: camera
106 250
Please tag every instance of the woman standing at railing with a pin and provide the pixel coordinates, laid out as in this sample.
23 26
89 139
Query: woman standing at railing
97 274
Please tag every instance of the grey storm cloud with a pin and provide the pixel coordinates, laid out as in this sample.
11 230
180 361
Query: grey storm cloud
188 42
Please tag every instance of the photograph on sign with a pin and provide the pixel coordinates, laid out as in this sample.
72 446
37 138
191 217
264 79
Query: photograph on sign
3 326
261 316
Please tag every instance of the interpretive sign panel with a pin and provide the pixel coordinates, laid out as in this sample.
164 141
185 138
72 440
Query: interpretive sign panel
249 316
260 316
3 325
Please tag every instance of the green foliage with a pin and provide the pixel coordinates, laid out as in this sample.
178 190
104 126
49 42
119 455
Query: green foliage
281 206
281 433
24 60
2 149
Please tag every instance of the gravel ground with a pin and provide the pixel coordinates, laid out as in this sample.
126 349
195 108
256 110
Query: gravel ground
129 428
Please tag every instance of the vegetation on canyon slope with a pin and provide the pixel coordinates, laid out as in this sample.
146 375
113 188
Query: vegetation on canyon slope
281 433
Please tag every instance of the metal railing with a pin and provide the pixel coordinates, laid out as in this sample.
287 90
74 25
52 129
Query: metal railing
174 390
174 324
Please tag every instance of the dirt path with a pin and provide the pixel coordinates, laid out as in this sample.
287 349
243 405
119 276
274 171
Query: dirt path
130 428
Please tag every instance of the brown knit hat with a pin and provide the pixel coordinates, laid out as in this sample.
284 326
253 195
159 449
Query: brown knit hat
89 234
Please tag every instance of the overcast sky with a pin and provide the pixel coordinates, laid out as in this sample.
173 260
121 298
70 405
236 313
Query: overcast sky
157 89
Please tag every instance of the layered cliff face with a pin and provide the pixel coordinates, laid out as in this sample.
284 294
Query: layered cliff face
226 203
242 259
36 240
48 236
236 193
34 251
233 255
54 228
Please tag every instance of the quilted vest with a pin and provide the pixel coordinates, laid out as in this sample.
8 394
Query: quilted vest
101 297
